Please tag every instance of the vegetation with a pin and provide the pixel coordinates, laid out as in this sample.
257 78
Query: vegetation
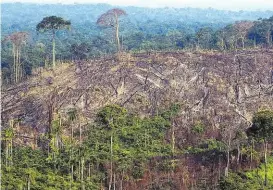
185 105
117 148
262 129
253 179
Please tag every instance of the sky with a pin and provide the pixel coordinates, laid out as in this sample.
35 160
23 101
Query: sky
217 4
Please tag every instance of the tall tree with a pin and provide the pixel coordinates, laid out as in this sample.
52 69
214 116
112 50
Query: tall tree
111 19
53 24
18 39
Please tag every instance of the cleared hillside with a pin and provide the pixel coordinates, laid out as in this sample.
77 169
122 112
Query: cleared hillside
215 87
218 93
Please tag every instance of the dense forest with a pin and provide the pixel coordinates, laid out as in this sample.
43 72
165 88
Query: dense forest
129 98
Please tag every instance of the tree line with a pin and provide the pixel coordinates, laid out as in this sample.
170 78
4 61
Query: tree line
21 51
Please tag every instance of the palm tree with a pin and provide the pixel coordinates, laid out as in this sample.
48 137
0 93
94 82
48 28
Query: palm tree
52 24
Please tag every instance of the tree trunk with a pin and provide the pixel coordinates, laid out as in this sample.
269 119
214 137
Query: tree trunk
117 33
268 38
28 183
14 62
17 63
265 163
71 154
50 118
121 181
114 181
72 173
222 44
243 42
228 160
173 148
72 133
79 170
11 152
173 140
82 167
7 153
80 135
89 170
251 153
238 155
111 164
53 49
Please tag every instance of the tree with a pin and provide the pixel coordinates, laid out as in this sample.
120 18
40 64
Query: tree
261 32
175 37
52 24
8 137
242 29
230 37
18 39
111 19
205 38
113 117
80 51
262 129
220 38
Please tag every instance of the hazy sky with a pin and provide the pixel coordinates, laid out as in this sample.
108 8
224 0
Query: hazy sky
218 4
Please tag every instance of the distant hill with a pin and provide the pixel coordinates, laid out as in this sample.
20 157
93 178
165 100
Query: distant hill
25 16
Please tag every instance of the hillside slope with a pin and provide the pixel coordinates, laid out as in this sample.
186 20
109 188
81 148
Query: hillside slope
218 93
218 88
